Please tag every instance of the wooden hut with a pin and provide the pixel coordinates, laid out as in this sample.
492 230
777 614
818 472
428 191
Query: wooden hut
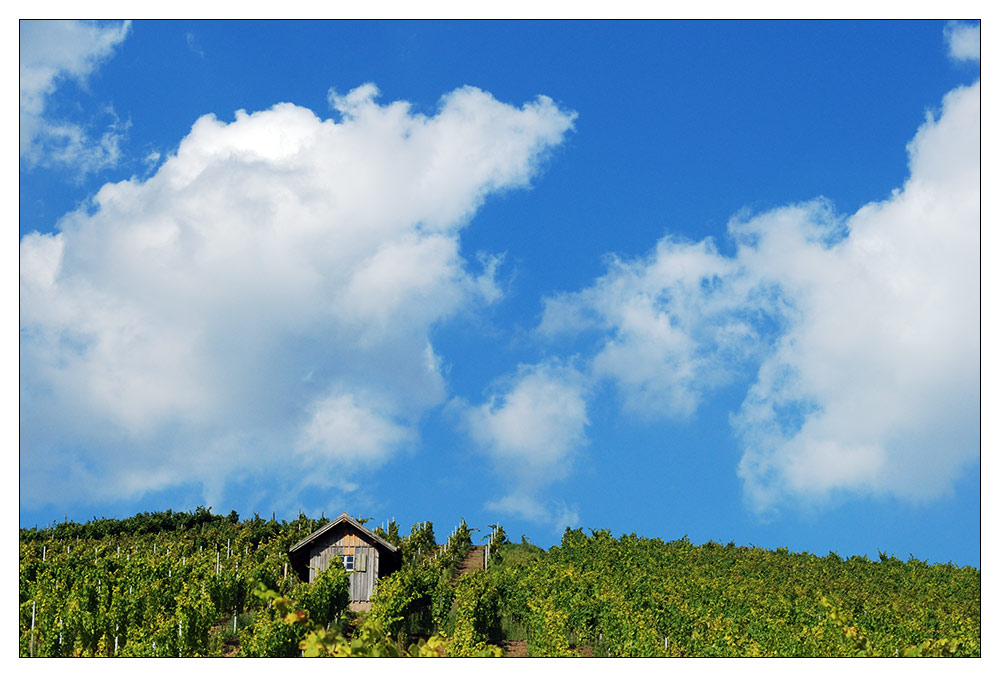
345 542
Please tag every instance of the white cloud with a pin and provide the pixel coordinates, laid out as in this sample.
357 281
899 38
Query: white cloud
554 513
864 330
880 368
192 43
962 40
531 432
52 52
666 319
271 287
532 428
347 428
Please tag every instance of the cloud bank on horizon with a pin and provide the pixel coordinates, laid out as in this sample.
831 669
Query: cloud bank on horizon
265 302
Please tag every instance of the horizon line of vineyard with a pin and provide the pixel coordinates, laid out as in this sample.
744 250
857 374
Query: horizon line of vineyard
150 522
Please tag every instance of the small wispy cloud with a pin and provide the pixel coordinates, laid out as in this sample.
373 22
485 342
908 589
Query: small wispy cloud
552 512
533 427
962 40
51 53
192 43
531 430
350 428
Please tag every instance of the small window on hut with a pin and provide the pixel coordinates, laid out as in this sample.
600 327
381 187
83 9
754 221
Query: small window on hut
348 562
361 562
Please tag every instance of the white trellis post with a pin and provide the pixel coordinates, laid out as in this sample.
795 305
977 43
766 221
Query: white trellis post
31 639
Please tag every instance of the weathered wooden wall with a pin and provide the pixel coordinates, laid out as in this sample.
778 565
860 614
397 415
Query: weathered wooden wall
341 541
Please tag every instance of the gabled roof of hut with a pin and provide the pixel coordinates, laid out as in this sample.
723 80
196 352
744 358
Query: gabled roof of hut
344 517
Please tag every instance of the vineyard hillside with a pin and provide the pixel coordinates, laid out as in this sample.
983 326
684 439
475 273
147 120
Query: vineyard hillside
197 584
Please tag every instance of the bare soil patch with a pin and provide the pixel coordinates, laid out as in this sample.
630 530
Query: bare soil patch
515 649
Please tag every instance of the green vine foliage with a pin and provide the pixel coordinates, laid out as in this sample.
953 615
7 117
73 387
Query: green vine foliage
99 590
327 596
271 637
419 544
370 640
461 540
403 602
643 597
390 533
477 615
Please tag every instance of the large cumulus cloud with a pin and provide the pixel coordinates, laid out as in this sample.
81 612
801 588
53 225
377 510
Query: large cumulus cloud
265 299
861 332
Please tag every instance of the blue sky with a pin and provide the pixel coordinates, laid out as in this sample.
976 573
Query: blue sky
714 279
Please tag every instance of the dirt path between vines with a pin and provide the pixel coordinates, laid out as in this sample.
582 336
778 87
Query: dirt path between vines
518 649
473 561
